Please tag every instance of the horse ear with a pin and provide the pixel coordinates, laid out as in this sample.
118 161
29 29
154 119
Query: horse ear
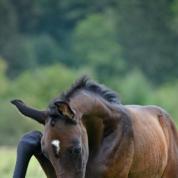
65 109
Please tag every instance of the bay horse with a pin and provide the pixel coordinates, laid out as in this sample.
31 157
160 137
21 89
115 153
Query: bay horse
88 133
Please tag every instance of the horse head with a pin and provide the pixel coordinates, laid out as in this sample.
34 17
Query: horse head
64 140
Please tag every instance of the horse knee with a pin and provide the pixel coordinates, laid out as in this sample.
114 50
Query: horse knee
30 142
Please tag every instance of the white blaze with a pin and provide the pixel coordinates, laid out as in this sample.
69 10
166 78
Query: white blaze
56 144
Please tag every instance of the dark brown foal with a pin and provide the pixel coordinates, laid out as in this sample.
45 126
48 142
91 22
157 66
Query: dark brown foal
89 133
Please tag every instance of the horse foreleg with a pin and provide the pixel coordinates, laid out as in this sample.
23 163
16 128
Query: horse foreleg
29 145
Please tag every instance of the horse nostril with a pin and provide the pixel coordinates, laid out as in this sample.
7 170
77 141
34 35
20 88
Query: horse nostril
77 150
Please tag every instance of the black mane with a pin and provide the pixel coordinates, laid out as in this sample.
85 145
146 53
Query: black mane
84 83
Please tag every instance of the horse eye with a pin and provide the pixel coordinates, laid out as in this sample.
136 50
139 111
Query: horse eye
53 121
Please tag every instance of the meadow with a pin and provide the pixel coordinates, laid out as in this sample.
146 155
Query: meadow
7 163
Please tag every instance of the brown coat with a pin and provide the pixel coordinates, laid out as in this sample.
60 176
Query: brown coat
147 147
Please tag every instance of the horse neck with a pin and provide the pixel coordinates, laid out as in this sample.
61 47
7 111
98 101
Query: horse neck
90 105
93 110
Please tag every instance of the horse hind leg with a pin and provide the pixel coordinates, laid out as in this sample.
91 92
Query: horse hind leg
29 145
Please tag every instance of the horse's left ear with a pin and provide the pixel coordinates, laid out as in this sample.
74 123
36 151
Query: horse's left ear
65 109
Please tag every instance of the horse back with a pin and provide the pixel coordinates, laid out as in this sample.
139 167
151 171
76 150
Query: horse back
155 143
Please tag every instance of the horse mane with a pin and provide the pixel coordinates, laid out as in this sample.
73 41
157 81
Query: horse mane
84 83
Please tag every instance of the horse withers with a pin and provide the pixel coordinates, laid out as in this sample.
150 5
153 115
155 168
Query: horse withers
89 133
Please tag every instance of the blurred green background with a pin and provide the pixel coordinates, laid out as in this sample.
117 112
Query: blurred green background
130 46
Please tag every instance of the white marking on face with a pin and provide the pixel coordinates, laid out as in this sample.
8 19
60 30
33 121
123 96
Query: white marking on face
56 144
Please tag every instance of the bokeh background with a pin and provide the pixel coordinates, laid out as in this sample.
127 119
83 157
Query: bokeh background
45 45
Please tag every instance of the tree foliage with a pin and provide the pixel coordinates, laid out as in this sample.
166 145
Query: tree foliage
109 36
96 45
131 46
147 39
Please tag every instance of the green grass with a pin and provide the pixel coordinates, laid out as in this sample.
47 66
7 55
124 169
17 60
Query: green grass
7 163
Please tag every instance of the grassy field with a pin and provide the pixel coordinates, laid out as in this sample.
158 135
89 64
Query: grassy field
7 162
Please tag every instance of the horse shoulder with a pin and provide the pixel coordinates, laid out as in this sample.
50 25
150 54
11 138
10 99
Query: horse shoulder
115 155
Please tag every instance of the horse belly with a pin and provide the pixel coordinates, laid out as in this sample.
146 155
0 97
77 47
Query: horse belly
150 154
